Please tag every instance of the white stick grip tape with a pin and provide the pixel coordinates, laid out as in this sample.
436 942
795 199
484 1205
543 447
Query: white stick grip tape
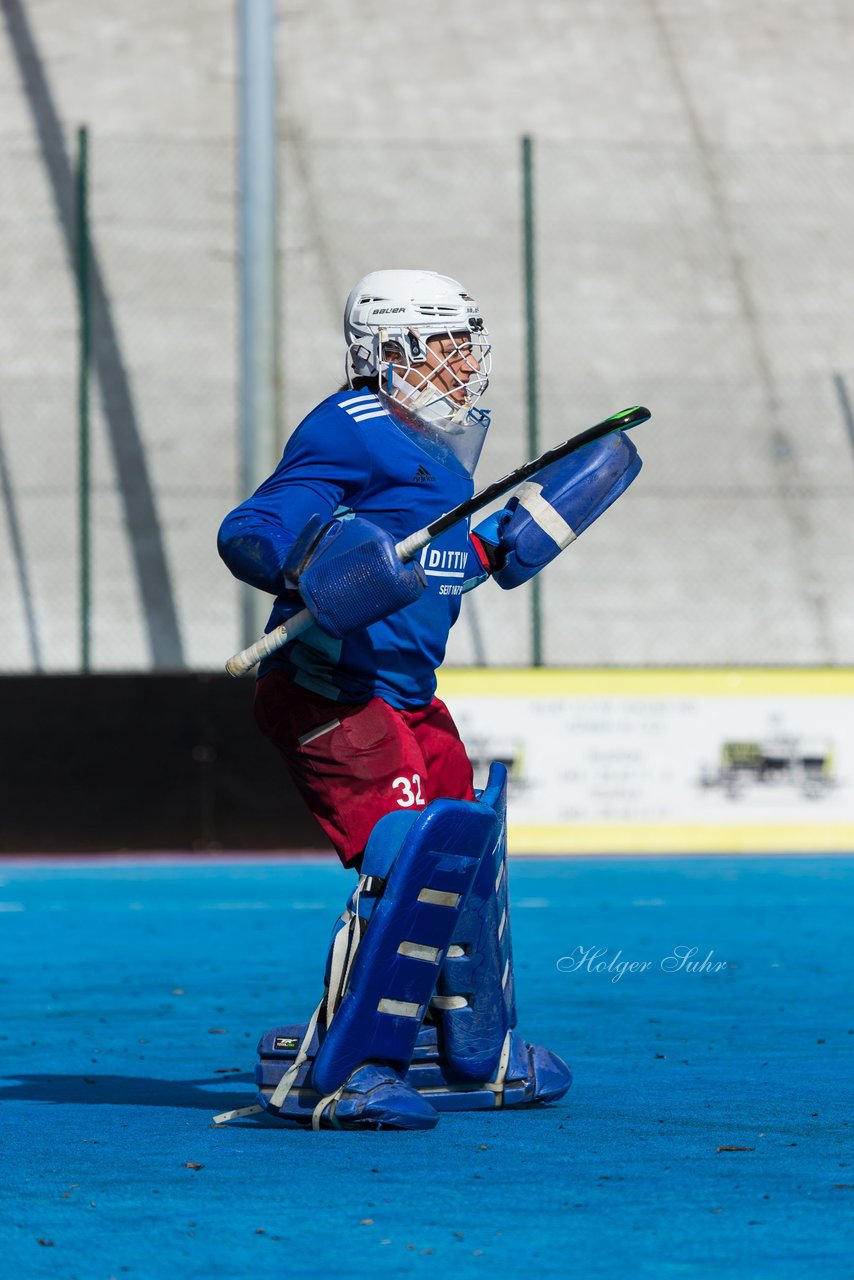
407 547
242 663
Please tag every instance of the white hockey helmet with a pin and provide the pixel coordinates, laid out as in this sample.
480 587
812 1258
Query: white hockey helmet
388 320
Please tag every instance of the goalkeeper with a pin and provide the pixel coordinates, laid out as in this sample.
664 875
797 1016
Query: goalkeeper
418 1011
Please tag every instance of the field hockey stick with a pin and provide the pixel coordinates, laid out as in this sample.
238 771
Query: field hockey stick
242 663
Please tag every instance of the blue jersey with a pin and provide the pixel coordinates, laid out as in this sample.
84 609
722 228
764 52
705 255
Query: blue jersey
349 456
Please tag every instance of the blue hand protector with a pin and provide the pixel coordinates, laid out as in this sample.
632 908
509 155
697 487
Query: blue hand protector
348 574
550 511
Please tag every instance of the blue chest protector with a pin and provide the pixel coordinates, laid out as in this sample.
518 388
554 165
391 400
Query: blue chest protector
348 457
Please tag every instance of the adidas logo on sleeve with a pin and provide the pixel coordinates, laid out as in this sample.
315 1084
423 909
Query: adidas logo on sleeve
422 476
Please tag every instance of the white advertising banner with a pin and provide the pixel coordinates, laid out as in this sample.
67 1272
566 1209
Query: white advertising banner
665 761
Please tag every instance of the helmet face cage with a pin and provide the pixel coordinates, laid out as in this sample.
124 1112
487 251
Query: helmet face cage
390 319
435 373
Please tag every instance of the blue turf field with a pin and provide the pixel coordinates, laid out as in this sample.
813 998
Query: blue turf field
132 992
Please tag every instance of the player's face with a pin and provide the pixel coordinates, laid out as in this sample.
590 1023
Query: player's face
449 363
452 364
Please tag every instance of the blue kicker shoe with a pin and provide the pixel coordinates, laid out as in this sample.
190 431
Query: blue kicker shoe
373 1097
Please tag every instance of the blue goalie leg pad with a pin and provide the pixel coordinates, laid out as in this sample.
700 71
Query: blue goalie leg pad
385 957
470 1058
400 955
475 1002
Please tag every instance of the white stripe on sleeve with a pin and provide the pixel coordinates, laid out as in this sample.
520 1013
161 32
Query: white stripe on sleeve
362 417
364 399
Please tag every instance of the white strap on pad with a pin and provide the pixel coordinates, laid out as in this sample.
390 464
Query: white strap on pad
530 496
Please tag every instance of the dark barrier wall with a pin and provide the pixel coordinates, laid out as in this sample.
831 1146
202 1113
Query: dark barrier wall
103 763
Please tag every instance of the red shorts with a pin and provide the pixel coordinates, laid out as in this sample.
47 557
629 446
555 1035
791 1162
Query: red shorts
355 763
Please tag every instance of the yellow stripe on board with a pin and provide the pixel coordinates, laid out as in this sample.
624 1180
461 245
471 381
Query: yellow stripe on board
649 682
580 839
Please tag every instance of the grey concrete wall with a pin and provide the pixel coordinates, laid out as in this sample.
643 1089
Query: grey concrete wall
695 193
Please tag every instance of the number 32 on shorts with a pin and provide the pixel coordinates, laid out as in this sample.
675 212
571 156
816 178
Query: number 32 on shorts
410 791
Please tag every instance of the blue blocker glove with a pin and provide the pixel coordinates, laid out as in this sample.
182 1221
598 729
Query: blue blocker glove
348 574
550 511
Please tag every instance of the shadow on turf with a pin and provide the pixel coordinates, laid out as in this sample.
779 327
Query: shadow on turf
136 1091
144 1091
